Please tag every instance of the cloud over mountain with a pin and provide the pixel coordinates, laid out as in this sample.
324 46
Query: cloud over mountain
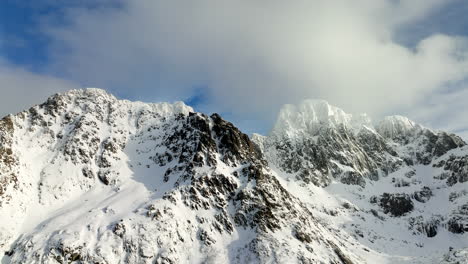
248 58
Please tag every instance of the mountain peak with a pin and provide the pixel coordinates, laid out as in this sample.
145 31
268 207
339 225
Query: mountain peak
100 97
88 92
310 115
395 125
88 178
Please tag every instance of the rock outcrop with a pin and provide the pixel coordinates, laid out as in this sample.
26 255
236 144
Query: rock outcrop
88 178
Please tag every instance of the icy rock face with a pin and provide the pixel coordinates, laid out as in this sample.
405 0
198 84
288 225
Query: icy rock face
455 169
455 256
419 145
87 178
395 204
8 161
398 127
310 115
395 174
319 142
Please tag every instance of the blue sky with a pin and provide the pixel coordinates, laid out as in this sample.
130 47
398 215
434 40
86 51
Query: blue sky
20 44
449 19
380 57
23 42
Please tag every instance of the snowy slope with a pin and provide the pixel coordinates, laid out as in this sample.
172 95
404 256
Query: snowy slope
398 188
87 178
97 180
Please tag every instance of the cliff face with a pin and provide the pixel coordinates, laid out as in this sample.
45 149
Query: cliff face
87 178
320 143
402 186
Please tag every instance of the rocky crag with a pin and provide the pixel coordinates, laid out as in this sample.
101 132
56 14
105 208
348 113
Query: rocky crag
88 178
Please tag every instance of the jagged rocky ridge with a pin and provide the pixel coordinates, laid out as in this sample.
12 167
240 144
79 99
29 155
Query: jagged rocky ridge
87 178
319 142
116 181
401 172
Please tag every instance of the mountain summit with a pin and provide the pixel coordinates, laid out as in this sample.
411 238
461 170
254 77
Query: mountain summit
88 178
311 115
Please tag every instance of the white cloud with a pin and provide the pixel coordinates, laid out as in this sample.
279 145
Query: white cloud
255 56
21 89
444 110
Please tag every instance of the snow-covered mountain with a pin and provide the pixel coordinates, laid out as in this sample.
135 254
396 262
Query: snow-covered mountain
87 178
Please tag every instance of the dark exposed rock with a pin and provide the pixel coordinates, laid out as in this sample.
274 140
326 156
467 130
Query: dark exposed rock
446 142
119 229
455 195
6 124
428 227
103 176
347 205
457 169
87 172
423 195
458 222
396 204
456 226
343 258
376 214
316 157
410 173
303 237
423 144
63 253
205 237
431 230
8 160
433 145
6 133
376 148
314 167
232 143
55 105
365 154
442 176
353 178
215 172
262 207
